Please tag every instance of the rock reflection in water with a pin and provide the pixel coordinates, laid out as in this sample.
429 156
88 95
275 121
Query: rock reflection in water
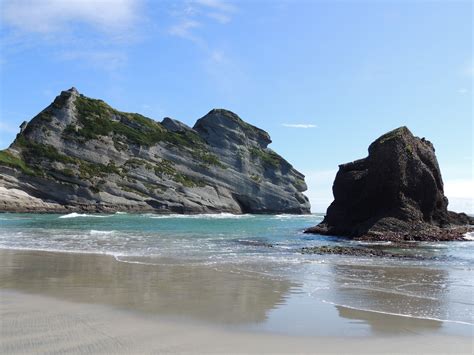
366 293
176 290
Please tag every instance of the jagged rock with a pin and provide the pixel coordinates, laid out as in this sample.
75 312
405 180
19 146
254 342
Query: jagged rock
80 154
175 125
396 193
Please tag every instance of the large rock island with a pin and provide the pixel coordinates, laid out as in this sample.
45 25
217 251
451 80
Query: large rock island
396 193
80 154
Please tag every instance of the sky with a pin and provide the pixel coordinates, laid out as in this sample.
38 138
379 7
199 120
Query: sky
324 78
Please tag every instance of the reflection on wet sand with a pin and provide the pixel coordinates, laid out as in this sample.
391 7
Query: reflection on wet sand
177 290
365 292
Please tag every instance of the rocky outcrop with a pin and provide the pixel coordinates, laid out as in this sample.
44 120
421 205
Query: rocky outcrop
396 193
80 154
357 251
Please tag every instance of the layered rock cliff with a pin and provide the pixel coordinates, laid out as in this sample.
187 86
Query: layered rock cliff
396 193
80 154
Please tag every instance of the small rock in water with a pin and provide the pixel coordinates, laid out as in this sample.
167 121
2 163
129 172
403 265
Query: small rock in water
255 243
340 250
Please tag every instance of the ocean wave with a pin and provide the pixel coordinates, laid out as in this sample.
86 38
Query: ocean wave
200 216
96 232
58 250
296 216
75 215
469 236
398 314
373 243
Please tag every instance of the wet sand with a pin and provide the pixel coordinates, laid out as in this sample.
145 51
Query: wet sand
80 303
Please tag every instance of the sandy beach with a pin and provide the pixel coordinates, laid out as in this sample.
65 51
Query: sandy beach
80 303
37 324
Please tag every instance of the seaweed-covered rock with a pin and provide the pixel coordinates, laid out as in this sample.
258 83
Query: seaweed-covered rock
396 193
80 154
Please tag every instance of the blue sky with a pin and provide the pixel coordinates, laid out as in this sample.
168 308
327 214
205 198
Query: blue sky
324 78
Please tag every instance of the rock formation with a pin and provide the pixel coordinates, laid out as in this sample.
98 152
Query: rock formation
396 193
80 154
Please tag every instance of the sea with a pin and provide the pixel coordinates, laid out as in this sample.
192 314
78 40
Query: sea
432 289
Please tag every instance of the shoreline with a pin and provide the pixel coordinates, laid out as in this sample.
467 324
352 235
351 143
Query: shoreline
50 325
220 294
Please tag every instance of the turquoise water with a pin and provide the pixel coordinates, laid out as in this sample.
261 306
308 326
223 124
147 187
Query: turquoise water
439 287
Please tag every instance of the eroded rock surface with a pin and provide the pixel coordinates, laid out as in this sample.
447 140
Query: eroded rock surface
80 154
396 193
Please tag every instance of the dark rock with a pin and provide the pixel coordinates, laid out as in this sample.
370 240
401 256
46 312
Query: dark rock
175 125
340 250
396 193
255 243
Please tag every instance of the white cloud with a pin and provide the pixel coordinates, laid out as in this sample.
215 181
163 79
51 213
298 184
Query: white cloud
470 70
459 188
460 193
217 56
193 13
109 60
218 5
219 17
299 125
463 91
184 29
49 16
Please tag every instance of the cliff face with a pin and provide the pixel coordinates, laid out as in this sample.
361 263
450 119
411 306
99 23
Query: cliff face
80 154
394 193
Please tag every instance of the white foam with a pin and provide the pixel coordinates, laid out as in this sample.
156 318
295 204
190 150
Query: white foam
469 236
200 216
96 232
57 250
75 215
398 314
374 243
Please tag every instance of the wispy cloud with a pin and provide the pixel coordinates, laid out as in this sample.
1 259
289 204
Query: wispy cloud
217 5
299 125
463 91
193 14
184 29
109 60
191 20
49 16
219 17
95 33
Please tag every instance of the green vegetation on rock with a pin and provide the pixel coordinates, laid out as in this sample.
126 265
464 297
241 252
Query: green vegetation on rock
188 181
165 167
32 151
393 134
96 118
8 159
88 169
208 159
267 157
256 178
